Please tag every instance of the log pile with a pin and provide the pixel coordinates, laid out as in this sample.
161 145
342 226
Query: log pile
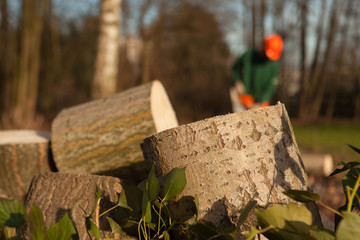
229 159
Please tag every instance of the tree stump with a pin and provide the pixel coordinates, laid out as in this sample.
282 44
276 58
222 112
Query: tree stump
104 136
23 154
59 193
231 160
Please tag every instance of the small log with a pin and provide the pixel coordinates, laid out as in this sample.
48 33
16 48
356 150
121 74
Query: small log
232 159
23 154
104 136
318 164
59 193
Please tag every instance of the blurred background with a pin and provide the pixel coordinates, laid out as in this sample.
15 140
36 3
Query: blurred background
51 51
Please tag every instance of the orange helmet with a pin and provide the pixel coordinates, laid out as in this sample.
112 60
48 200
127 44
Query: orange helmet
273 46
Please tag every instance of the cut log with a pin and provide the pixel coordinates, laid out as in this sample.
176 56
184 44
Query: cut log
232 159
23 154
104 136
59 193
318 164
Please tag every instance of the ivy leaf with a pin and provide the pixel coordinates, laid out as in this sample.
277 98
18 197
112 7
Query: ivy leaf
36 224
347 166
115 228
252 234
348 228
91 226
349 180
153 185
290 222
133 197
302 196
166 235
146 208
320 233
174 183
12 213
62 230
354 148
203 230
123 201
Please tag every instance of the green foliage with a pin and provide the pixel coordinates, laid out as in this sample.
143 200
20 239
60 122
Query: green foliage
294 222
13 217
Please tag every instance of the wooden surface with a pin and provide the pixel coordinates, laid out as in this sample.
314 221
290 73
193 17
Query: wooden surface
59 193
23 154
104 136
232 159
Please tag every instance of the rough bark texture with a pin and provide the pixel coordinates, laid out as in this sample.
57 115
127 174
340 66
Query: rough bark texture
104 136
59 193
23 154
232 159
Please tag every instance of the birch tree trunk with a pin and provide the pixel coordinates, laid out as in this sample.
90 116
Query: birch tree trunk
232 159
106 65
104 136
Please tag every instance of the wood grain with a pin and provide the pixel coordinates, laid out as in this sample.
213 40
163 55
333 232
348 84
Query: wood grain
23 154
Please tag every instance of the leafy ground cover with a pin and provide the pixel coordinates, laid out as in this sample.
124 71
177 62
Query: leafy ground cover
330 139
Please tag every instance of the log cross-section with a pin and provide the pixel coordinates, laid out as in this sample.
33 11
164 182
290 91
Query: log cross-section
104 136
232 159
23 154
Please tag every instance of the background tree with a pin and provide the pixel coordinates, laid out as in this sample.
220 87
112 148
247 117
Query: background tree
106 65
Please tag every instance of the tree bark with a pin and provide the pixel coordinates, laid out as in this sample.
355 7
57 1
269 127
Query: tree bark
104 136
29 61
232 159
59 193
23 155
106 66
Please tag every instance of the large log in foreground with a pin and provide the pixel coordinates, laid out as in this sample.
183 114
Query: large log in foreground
59 193
104 136
232 159
23 154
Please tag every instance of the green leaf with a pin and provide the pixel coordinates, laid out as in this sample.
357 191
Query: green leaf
348 228
115 228
146 208
320 233
174 183
196 201
36 224
245 212
62 230
290 222
123 201
166 235
354 148
349 180
302 196
133 197
153 185
12 213
252 234
91 226
346 167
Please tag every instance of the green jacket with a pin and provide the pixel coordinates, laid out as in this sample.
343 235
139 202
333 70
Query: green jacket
259 75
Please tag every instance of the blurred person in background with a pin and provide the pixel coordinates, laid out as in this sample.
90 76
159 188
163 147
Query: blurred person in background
255 75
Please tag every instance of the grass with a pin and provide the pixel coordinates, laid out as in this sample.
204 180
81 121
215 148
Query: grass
330 139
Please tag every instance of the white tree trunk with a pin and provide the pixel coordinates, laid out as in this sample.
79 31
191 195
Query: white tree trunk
106 66
232 159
